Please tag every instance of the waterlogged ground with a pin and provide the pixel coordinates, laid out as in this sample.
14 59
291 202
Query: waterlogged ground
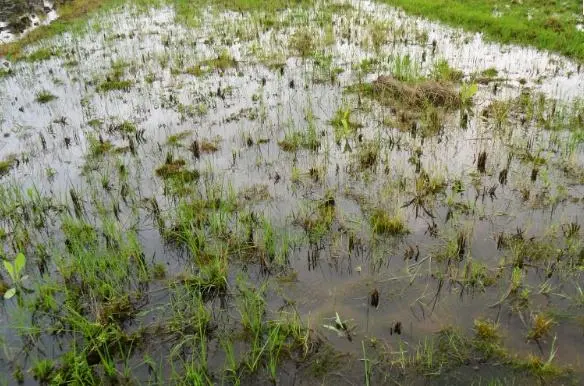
339 193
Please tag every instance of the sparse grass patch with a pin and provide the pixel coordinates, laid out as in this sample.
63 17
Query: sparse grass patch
115 84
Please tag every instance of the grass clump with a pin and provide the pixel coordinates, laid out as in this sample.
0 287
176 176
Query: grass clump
211 280
5 72
486 330
383 223
316 220
405 70
302 42
490 72
45 97
294 141
196 70
115 84
443 72
222 62
176 139
113 80
205 146
126 127
487 339
368 154
447 350
170 167
380 33
42 370
541 327
175 170
98 146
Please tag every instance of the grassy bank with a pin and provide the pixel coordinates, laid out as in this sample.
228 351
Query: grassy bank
73 16
549 25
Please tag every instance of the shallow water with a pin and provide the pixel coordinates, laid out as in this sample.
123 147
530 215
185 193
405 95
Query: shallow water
259 102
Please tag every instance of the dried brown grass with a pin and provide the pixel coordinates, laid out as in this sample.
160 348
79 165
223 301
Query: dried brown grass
439 94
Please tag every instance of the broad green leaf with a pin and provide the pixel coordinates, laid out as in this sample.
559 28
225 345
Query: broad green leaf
10 269
19 263
10 293
468 91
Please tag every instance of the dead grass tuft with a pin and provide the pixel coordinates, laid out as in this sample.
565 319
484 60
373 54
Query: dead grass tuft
439 94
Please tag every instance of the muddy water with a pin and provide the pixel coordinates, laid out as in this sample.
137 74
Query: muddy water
330 278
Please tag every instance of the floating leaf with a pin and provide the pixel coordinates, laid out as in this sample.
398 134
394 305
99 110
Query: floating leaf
333 328
10 293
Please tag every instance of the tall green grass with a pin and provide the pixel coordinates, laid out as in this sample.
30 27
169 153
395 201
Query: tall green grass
556 33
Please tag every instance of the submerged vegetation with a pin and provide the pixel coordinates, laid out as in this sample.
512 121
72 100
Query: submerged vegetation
254 192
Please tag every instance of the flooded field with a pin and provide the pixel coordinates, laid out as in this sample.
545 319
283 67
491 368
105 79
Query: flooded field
339 193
